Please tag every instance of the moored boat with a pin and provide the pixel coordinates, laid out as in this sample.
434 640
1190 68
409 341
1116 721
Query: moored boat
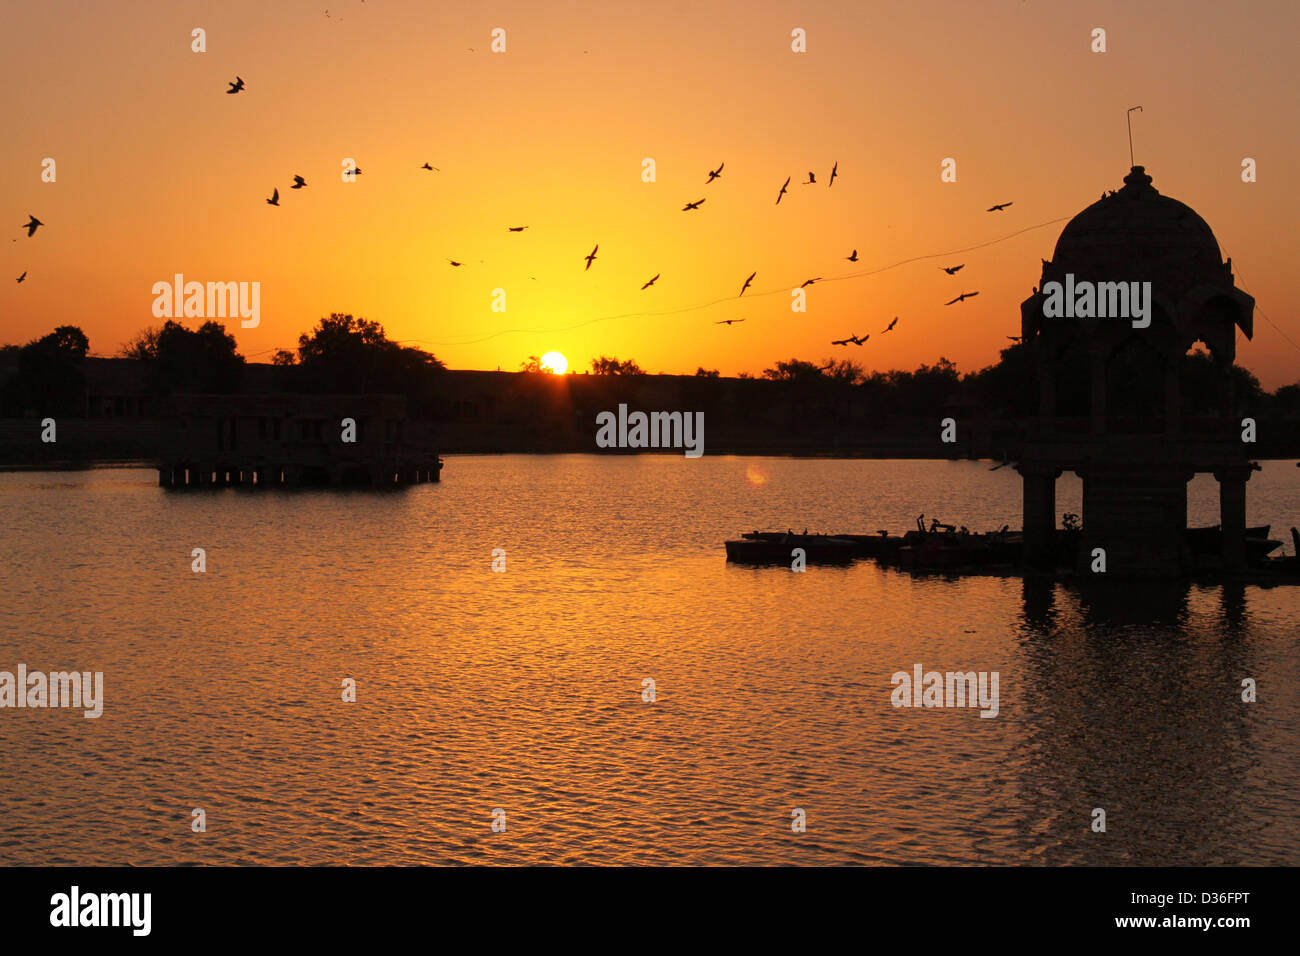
778 548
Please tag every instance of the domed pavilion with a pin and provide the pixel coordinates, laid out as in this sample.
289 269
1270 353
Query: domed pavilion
1136 281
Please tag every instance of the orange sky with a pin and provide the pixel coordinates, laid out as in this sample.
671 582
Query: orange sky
160 172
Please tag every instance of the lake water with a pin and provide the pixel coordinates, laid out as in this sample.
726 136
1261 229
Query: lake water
523 690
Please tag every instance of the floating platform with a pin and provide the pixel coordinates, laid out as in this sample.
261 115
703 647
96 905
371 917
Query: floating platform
945 549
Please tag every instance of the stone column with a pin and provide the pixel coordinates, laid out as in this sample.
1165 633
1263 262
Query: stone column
1173 400
1039 513
1097 378
1232 514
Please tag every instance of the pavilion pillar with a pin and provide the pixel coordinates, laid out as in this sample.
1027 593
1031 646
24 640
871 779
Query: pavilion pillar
1173 400
1098 402
1046 395
1232 514
1039 514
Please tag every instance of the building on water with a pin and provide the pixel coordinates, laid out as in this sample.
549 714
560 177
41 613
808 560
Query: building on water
1113 406
292 440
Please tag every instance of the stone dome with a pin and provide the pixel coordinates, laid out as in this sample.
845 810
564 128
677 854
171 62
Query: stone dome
1136 234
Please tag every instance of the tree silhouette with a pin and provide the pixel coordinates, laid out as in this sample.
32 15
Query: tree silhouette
612 366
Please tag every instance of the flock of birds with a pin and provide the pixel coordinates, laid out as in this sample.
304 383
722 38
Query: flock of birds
851 257
237 86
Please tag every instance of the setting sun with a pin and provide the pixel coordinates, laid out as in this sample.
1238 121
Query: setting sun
555 363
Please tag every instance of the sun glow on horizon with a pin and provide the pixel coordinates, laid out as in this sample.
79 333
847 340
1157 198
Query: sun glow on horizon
555 363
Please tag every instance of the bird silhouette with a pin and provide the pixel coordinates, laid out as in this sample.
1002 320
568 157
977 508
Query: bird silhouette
782 192
275 198
854 257
355 172
31 224
727 321
298 182
516 228
692 205
841 341
23 276
650 283
808 282
236 86
592 257
427 166
858 340
834 169
999 206
714 173
455 263
747 282
952 270
812 180
962 297
891 325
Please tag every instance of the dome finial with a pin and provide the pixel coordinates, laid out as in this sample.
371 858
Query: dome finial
1137 181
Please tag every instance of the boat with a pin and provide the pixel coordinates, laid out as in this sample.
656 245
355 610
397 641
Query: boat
882 545
764 547
1207 543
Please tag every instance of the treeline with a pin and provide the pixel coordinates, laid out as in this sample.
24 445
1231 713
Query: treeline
1010 388
345 354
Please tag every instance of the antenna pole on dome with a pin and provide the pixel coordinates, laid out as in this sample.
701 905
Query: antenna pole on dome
1129 116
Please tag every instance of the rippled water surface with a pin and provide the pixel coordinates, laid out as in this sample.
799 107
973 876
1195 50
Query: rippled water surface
522 690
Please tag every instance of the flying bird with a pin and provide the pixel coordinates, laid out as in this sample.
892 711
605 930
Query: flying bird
854 257
275 198
812 180
692 205
650 283
952 270
833 172
714 173
427 166
516 228
236 86
23 276
891 325
727 321
298 182
782 192
747 282
858 340
999 206
592 257
809 282
455 263
962 297
31 224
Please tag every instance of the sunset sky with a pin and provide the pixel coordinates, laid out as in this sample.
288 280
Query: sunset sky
160 172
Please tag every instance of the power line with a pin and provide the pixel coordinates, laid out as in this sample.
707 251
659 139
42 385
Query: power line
1237 269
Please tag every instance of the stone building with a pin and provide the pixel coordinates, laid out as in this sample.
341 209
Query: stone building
1111 407
288 439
